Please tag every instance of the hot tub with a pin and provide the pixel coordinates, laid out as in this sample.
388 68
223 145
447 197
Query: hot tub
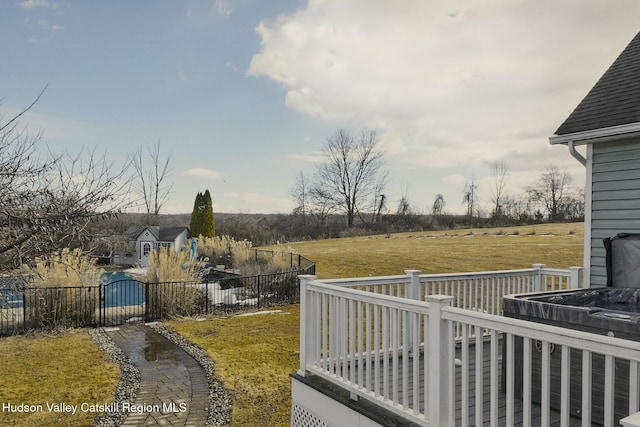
605 311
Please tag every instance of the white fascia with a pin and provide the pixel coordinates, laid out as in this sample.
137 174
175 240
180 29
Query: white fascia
597 135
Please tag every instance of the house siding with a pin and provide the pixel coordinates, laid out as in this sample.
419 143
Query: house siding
615 199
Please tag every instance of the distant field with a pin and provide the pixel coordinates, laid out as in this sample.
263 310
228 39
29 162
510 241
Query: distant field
556 245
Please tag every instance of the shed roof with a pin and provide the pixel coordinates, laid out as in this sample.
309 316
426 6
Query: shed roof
162 234
614 100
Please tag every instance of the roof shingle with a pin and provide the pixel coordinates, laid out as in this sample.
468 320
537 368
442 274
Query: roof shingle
614 100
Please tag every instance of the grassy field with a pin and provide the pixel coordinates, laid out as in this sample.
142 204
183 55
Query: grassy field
46 369
254 355
556 245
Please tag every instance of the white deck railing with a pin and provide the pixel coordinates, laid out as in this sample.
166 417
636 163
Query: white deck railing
370 337
482 291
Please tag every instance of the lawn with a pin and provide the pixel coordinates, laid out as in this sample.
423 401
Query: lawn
51 369
254 355
556 245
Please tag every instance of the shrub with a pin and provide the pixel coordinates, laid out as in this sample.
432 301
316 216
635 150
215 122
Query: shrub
225 250
167 265
66 289
171 284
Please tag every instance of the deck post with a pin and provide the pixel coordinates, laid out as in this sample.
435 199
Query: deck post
439 354
412 291
576 277
304 306
538 278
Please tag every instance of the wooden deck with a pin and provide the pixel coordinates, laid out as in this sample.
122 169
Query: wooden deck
386 418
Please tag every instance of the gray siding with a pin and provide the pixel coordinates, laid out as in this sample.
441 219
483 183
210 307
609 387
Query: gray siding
615 198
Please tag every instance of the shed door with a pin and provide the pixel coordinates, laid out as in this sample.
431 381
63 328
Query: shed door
145 250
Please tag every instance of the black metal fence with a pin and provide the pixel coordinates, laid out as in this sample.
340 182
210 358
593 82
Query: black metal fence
129 300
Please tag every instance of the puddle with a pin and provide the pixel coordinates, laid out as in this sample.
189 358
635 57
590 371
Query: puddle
156 350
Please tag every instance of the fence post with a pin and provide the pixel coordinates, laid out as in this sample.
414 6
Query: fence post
576 277
304 306
206 297
146 302
24 309
538 278
439 356
258 291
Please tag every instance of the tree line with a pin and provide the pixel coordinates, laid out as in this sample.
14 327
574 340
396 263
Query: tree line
53 201
345 195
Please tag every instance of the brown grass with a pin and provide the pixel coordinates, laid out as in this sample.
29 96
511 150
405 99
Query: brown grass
557 245
66 367
254 356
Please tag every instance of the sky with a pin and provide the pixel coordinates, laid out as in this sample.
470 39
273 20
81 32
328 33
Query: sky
243 94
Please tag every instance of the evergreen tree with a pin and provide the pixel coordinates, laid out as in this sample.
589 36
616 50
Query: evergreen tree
208 222
202 221
196 217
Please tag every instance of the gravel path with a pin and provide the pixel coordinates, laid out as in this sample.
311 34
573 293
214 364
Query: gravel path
219 410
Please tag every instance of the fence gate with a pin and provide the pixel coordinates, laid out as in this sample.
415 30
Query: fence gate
122 301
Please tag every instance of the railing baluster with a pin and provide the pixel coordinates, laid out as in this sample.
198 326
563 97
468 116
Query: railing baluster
479 380
385 351
494 378
417 381
510 385
565 366
395 343
352 351
360 350
609 390
376 349
586 388
464 374
405 359
369 350
546 384
634 387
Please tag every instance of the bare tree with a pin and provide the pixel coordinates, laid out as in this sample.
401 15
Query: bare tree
552 190
300 194
500 175
352 175
437 209
470 196
48 201
151 183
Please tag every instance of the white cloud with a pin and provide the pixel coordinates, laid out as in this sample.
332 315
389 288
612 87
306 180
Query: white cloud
33 4
446 86
314 157
203 173
57 27
182 76
224 8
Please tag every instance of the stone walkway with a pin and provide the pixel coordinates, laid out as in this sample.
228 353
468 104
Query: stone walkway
173 389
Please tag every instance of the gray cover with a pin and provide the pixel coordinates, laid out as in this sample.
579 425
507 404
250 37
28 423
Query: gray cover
625 263
623 260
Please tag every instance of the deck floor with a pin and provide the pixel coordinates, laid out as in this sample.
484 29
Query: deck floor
471 403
